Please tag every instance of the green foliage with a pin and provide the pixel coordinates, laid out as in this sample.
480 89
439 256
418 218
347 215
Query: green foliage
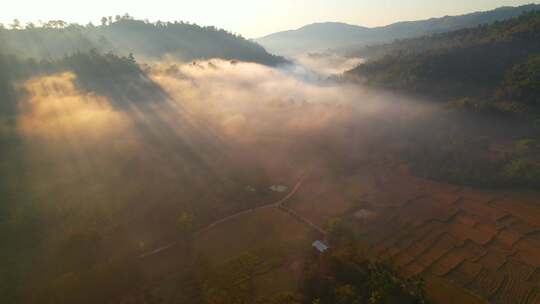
150 40
523 81
525 145
482 68
387 287
502 108
7 91
331 225
463 161
468 104
342 276
508 107
117 77
345 294
523 171
185 222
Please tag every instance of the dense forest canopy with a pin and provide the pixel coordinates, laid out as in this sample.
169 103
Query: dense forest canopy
124 35
475 62
118 77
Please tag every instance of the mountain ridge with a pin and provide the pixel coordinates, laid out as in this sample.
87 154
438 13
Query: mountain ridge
182 41
339 35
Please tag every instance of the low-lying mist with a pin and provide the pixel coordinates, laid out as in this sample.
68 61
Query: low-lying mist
218 116
116 174
277 115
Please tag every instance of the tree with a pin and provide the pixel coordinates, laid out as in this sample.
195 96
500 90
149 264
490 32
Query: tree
331 225
523 170
16 25
56 24
185 222
523 81
61 23
346 294
525 145
131 58
30 26
104 21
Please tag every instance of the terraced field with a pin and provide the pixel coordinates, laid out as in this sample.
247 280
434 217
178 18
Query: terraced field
484 244
471 246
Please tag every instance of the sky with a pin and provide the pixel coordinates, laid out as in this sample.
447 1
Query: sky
250 18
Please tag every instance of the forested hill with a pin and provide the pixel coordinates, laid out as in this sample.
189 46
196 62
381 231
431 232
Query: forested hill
499 63
345 37
125 35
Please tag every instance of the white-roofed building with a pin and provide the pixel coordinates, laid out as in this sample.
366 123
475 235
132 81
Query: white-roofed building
320 246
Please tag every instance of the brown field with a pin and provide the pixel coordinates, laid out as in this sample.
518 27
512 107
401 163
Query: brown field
322 199
255 232
275 237
270 236
469 244
278 280
443 291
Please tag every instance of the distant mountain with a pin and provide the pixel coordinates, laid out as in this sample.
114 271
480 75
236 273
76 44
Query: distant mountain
314 37
145 40
323 36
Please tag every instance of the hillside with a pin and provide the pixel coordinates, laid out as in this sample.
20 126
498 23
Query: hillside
125 35
324 36
485 73
496 62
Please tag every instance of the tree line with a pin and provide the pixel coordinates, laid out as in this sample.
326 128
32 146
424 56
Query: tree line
124 34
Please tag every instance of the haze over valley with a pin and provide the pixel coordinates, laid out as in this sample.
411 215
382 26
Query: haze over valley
168 162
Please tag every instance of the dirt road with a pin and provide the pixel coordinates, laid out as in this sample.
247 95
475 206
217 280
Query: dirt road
278 204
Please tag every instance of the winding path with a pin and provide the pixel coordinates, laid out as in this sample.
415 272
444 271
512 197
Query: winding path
279 204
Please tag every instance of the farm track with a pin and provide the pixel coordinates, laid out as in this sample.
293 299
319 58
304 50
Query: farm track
279 205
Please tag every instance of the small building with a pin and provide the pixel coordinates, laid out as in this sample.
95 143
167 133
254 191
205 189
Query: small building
320 246
278 188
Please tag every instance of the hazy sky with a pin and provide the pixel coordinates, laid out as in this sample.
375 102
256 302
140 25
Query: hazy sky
251 18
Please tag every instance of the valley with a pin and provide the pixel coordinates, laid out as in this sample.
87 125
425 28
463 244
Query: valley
165 162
